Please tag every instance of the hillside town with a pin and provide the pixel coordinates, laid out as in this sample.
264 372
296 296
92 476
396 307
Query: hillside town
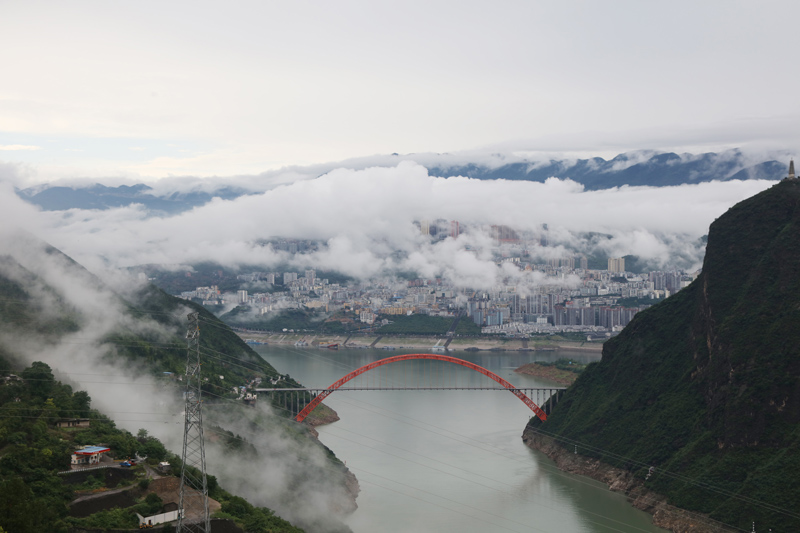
566 297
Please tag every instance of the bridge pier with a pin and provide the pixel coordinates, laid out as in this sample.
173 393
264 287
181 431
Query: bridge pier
289 401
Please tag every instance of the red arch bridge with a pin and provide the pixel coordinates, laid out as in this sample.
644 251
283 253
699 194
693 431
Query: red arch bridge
301 401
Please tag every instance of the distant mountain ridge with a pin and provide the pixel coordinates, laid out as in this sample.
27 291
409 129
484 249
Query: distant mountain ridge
97 196
658 170
705 387
653 169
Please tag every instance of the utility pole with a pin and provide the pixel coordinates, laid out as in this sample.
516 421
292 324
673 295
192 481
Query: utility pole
194 489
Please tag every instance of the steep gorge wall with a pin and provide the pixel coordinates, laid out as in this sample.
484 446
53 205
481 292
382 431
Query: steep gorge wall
705 386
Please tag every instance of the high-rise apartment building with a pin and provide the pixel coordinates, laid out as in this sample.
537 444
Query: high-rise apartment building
454 229
616 264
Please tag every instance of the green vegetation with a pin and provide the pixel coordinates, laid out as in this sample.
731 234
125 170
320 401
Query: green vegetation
19 310
203 275
254 519
571 336
703 386
228 354
638 302
115 518
565 364
562 371
427 325
207 274
635 264
33 498
294 319
225 353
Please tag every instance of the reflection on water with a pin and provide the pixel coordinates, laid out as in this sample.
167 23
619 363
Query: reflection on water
451 460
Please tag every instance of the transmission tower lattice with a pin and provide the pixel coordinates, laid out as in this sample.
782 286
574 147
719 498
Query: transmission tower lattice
193 504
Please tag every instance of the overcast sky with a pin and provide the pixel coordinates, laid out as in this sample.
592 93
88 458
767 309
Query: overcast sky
150 89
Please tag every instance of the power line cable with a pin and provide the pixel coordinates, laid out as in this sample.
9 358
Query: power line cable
705 486
702 485
559 473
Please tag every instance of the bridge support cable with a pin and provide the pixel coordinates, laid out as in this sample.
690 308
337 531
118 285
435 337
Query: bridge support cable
424 356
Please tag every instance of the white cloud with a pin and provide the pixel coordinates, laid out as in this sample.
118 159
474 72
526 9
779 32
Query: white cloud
17 147
365 220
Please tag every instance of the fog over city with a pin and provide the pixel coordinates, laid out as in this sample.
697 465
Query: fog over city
366 220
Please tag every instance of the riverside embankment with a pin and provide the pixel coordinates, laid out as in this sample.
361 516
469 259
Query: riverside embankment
425 343
622 481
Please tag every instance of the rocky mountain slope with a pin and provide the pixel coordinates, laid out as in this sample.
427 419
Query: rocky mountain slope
705 387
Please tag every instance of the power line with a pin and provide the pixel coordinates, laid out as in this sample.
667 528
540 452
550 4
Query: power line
491 449
702 485
193 488
679 477
361 405
279 409
661 471
465 479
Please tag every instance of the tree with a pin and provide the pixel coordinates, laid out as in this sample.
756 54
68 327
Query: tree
39 379
80 403
21 512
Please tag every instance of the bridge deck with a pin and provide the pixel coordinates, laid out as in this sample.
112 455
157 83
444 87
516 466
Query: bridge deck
414 388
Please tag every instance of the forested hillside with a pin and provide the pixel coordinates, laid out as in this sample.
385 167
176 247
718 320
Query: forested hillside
63 329
705 387
34 498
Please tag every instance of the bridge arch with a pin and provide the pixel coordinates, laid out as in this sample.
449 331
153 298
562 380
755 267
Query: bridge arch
446 358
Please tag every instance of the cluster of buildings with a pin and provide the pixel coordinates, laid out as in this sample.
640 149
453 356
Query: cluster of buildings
568 297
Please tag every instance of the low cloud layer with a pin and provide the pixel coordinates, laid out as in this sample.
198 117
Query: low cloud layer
366 220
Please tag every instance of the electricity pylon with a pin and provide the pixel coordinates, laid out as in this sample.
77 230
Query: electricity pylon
194 489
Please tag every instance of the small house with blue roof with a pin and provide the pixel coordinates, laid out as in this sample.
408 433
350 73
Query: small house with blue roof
89 455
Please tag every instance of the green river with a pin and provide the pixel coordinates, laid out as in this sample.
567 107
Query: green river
451 460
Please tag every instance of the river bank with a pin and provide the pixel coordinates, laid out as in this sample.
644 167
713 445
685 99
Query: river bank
563 377
426 343
618 480
322 416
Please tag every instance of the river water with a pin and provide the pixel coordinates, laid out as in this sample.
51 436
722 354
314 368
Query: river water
451 460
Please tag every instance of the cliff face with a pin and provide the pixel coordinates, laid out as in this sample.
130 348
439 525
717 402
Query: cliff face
706 385
747 328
